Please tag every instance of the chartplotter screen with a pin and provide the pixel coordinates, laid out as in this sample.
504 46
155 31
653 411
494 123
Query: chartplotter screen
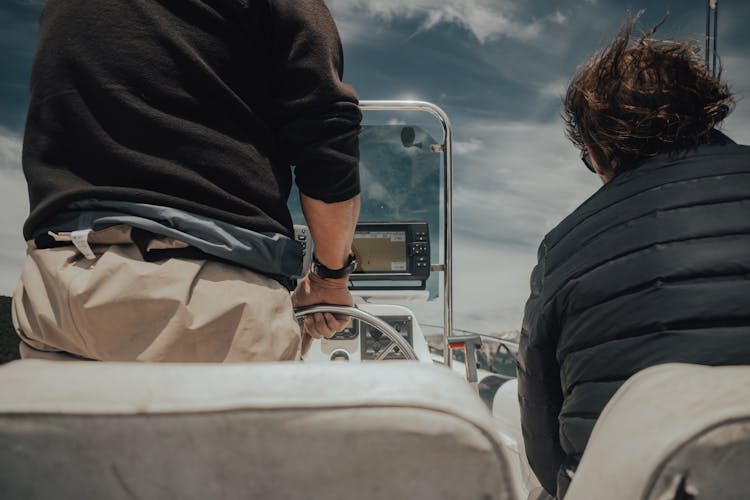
380 251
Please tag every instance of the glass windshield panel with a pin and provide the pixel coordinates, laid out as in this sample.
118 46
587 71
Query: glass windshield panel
400 175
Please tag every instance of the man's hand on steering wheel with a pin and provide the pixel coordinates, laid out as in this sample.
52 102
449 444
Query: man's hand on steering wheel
311 290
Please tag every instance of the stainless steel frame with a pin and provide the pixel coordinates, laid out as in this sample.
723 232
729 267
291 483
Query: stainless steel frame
447 266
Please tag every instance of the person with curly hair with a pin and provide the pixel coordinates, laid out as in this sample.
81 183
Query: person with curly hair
655 266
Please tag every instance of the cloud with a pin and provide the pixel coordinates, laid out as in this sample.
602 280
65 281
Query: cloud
520 184
487 20
468 147
554 89
10 150
559 18
490 287
395 121
15 208
737 125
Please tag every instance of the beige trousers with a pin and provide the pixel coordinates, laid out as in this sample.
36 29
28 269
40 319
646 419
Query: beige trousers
119 307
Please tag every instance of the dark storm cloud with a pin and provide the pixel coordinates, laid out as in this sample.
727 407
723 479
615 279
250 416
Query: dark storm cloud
483 77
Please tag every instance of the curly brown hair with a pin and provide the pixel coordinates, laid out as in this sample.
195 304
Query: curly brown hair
632 101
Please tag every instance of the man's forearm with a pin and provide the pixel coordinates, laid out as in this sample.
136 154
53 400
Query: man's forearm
332 228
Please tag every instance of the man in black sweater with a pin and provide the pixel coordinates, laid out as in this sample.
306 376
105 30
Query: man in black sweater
158 151
654 267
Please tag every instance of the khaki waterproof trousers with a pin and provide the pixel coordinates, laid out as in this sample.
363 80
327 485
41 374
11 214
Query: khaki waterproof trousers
118 307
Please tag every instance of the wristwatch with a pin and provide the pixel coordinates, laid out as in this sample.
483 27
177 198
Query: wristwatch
324 272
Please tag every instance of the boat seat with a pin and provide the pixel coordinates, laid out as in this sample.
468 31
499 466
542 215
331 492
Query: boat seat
400 430
674 431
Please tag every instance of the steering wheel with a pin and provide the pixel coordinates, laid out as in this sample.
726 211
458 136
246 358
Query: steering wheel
366 318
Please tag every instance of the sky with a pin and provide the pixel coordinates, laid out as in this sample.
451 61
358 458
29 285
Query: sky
498 68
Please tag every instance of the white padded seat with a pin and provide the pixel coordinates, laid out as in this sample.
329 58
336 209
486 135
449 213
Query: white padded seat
398 430
674 431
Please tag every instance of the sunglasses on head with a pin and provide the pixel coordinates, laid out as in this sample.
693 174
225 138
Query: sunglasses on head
586 159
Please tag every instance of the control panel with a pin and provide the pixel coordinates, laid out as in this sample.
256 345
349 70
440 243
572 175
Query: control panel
376 346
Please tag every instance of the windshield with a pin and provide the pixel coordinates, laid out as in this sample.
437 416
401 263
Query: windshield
400 175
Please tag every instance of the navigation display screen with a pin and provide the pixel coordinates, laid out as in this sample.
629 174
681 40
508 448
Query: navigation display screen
380 251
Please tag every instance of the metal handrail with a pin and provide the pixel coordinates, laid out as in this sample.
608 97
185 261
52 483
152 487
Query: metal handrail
364 317
442 117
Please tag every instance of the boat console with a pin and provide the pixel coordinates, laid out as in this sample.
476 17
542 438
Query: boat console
397 242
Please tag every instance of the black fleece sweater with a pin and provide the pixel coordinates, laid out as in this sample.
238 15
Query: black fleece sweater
200 105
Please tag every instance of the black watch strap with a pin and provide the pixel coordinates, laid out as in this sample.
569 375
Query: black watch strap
325 272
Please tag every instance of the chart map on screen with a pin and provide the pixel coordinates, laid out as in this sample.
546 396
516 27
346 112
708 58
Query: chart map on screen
380 251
